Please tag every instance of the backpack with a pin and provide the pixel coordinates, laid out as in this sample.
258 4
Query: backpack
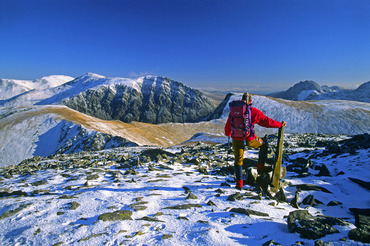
240 113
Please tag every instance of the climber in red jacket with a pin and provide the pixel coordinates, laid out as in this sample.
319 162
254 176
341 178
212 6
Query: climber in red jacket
253 141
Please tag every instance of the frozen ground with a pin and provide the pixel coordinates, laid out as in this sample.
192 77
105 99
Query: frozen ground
65 205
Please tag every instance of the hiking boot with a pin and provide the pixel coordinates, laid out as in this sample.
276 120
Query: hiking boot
239 184
261 168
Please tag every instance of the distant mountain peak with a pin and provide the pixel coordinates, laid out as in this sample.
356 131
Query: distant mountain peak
94 75
306 85
310 90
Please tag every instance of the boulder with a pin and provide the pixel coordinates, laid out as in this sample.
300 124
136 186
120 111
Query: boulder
362 232
117 215
311 227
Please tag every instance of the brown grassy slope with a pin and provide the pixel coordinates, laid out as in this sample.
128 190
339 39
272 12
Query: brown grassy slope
142 133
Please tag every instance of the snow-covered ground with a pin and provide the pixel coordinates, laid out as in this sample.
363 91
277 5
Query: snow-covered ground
11 87
66 204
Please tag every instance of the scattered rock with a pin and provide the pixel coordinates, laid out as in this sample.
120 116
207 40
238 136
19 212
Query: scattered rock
360 234
320 243
12 212
310 227
334 203
165 167
362 222
324 171
299 165
159 214
311 201
294 202
166 236
210 203
234 197
138 206
203 170
185 206
131 172
248 212
38 183
182 218
66 197
37 232
280 195
187 190
270 243
92 177
117 215
73 205
59 243
151 168
362 183
13 193
225 184
91 236
364 211
220 191
156 154
311 187
150 219
191 196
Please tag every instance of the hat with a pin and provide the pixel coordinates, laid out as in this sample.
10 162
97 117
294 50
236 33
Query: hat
247 97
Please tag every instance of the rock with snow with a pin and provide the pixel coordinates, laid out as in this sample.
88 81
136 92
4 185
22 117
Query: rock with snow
362 231
312 227
153 195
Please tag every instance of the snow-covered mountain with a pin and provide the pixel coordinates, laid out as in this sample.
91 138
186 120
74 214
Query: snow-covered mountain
10 87
37 122
51 129
310 90
150 99
325 116
71 178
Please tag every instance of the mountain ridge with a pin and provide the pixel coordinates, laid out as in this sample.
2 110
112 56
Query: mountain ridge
325 116
310 90
11 87
150 99
28 120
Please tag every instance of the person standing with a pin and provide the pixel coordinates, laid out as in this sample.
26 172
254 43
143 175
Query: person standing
251 140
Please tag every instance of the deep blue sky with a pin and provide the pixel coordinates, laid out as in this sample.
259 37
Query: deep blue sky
265 43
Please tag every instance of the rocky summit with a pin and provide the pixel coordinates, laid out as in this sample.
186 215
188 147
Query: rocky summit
158 100
186 196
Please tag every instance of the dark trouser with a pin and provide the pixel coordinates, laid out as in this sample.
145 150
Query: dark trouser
238 146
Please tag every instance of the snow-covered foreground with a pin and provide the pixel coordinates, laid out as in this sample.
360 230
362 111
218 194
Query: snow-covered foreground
82 199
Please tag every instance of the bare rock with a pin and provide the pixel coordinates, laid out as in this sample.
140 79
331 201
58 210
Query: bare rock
310 227
117 215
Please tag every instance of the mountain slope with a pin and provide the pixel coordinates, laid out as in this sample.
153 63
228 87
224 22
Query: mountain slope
10 87
150 99
310 90
46 130
327 116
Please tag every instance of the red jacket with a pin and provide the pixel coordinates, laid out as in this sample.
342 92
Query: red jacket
257 117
